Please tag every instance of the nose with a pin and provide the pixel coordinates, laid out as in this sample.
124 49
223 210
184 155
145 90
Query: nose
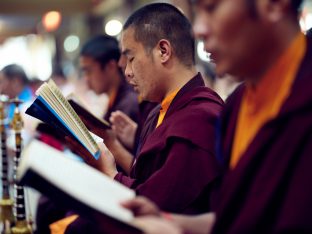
122 62
128 72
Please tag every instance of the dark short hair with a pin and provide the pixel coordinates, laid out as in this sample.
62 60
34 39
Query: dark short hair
14 71
101 48
157 21
295 6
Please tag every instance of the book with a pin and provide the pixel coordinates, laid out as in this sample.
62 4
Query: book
51 107
81 110
73 184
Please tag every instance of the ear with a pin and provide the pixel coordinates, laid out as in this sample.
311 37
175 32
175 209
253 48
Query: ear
110 65
273 10
110 68
164 50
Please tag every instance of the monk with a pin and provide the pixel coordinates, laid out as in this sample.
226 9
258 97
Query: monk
266 127
176 165
99 63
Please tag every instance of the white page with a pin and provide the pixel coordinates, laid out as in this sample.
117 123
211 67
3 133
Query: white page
79 180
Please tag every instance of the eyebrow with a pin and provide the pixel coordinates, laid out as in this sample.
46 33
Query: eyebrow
125 52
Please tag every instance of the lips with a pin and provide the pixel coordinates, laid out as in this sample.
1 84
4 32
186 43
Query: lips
213 57
212 53
134 86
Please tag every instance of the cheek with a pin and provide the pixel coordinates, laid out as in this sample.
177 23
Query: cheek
91 79
3 87
230 21
152 86
139 70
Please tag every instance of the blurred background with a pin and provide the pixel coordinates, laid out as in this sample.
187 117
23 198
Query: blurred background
42 35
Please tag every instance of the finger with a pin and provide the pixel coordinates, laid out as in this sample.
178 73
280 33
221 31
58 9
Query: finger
117 122
134 204
115 116
152 225
114 128
119 116
124 117
141 206
112 118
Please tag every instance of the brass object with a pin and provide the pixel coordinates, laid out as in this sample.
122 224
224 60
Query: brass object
21 225
6 202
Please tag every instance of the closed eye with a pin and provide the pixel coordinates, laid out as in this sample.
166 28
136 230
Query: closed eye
210 7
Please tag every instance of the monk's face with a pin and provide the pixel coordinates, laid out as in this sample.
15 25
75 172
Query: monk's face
141 69
236 37
99 78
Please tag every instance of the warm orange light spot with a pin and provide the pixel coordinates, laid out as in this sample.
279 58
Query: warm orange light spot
51 20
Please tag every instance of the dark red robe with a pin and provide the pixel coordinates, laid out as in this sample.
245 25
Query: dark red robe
176 167
270 189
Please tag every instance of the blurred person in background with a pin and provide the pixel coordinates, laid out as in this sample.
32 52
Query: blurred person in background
34 84
98 61
15 84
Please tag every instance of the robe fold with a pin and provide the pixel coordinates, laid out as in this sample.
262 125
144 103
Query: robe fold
176 167
269 190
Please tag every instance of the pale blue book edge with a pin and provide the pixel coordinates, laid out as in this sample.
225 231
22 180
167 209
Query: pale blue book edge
96 155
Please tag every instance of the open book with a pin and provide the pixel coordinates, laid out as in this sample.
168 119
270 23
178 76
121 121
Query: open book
73 184
51 107
81 110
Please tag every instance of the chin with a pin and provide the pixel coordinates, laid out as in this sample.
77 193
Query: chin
98 92
143 97
223 71
220 72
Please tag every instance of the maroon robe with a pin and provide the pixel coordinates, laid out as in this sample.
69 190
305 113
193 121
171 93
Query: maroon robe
176 167
269 191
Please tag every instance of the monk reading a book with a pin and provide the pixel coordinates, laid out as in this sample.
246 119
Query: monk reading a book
176 166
